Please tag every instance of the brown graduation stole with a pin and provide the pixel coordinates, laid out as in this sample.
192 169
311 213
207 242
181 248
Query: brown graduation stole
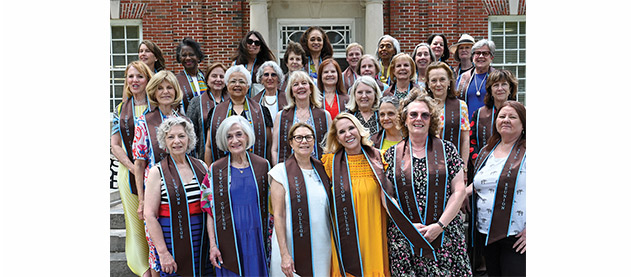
220 112
185 85
222 207
342 99
206 102
300 212
126 123
505 190
178 206
346 233
484 125
378 138
436 184
451 130
280 95
318 116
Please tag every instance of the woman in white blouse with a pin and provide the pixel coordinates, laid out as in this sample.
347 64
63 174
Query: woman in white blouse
500 194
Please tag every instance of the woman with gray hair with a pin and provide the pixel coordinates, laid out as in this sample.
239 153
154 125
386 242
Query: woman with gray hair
364 103
172 203
237 81
387 47
423 56
472 85
270 75
304 104
236 201
390 133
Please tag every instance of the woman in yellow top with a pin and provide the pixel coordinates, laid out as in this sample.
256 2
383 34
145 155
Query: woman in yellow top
390 133
360 235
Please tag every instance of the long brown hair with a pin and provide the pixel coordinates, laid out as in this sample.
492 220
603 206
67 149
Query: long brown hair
241 55
327 49
521 112
340 81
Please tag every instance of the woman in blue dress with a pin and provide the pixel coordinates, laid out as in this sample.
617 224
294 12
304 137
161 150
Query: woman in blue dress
236 203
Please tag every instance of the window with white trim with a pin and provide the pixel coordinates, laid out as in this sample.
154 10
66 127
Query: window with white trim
125 36
509 35
340 32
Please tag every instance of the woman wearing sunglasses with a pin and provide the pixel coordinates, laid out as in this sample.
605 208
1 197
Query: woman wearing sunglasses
270 76
252 52
427 173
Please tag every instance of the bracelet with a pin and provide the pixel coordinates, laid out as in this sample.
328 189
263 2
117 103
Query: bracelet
440 224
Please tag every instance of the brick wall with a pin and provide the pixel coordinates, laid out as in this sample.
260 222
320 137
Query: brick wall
218 25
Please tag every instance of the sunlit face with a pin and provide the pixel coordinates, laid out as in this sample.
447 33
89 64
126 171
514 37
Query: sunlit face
270 79
329 75
482 57
508 123
438 83
418 119
136 81
438 46
188 58
348 135
388 116
146 56
367 68
237 85
353 55
176 140
215 79
315 41
386 49
402 69
301 90
464 52
302 142
253 49
237 139
423 58
500 90
294 62
165 93
364 96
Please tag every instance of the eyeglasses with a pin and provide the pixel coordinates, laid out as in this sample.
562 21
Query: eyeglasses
299 139
483 53
267 74
255 42
234 82
414 115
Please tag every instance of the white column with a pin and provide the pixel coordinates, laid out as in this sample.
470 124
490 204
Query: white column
374 25
258 18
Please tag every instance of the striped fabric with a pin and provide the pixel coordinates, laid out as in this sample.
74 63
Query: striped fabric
197 230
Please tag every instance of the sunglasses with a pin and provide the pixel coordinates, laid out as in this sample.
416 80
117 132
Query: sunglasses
483 53
267 74
255 42
414 115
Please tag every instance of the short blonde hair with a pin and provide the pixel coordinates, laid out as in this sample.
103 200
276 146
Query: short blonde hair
366 80
394 61
332 145
166 126
157 79
221 138
296 76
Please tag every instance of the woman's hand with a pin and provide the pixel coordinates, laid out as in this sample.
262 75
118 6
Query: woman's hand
215 256
430 232
167 263
287 265
521 242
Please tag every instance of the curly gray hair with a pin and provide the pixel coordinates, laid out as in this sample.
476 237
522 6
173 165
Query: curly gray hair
277 69
166 126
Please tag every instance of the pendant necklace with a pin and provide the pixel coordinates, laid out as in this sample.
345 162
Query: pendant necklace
477 93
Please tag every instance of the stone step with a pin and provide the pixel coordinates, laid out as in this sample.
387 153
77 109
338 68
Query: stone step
114 195
117 240
118 265
117 217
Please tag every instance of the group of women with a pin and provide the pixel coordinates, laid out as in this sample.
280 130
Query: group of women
248 170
